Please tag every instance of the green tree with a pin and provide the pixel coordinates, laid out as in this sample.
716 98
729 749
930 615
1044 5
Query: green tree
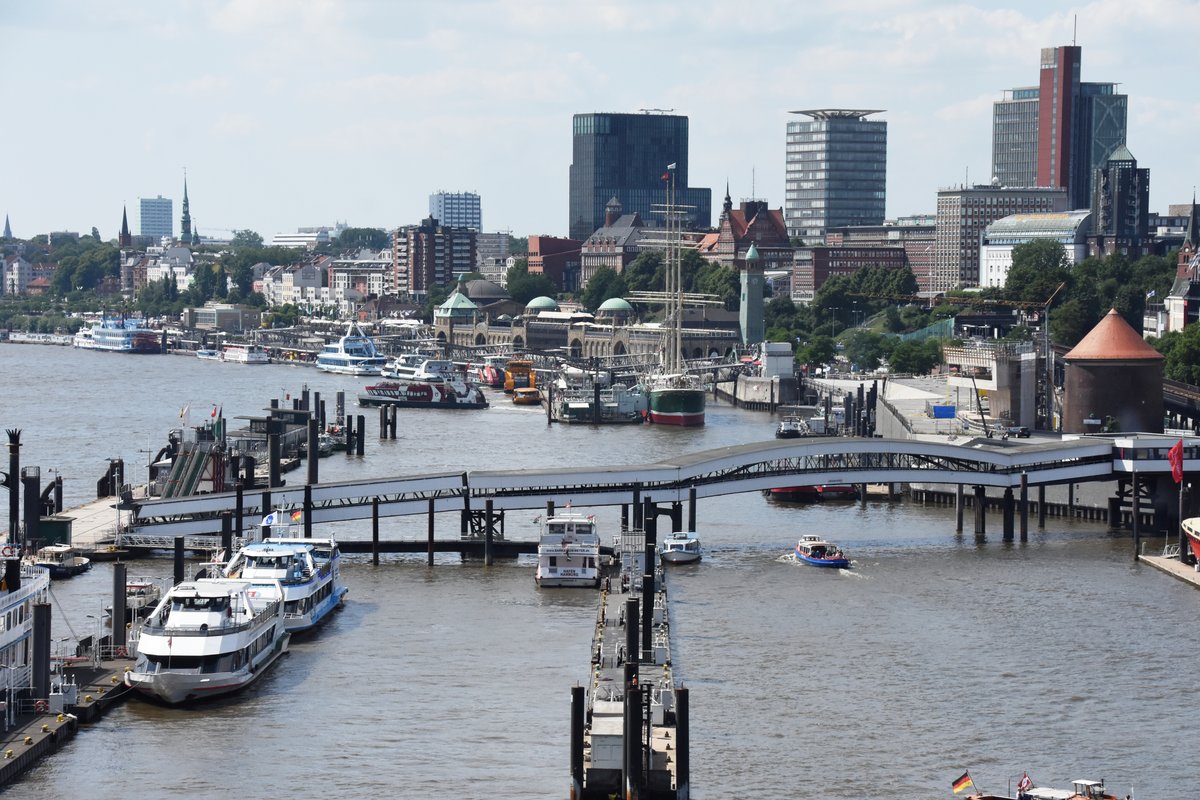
246 239
1038 267
865 349
523 287
817 351
645 273
604 284
918 358
354 239
724 282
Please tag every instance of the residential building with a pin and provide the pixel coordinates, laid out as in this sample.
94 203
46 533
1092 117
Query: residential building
287 284
1068 228
556 258
156 218
814 265
430 254
630 156
456 209
836 171
367 272
16 275
1059 132
963 212
175 262
1120 207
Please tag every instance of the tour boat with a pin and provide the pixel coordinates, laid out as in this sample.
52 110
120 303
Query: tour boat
420 368
119 335
569 552
1081 789
527 396
682 547
16 610
205 639
62 560
352 354
817 552
142 595
245 354
792 428
208 355
491 372
454 393
308 571
1191 529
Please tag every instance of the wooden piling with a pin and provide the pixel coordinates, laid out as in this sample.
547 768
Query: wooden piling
362 429
429 543
980 510
383 422
691 508
487 532
1041 501
1007 516
1024 506
308 508
392 421
118 605
349 428
959 503
375 531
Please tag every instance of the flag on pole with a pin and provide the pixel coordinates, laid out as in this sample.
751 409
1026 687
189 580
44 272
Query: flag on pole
962 783
1175 456
671 165
297 515
183 411
1150 294
269 519
1025 783
214 413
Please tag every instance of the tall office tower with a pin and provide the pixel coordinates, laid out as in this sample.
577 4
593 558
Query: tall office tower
456 210
1058 133
1120 206
627 156
963 212
155 217
836 171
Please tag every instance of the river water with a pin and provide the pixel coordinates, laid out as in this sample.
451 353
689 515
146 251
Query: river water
935 654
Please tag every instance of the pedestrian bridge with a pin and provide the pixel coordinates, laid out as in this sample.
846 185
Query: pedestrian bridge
710 473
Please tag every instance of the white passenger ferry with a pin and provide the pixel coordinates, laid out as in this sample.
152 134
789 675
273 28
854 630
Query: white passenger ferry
569 552
353 354
16 614
207 638
245 354
306 571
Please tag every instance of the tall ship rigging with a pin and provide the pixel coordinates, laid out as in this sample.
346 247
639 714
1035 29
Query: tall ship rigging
676 397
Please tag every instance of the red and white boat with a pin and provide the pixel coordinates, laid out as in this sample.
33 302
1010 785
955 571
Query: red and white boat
418 394
1191 529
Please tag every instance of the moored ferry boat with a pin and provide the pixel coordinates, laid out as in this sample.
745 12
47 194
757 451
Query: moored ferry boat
61 560
207 638
814 493
519 374
207 354
491 372
245 354
352 354
142 595
569 552
420 368
792 428
307 570
447 394
119 335
528 396
16 609
1191 529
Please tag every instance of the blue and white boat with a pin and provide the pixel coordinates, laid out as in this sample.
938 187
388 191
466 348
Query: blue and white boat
817 552
119 335
306 571
681 547
352 354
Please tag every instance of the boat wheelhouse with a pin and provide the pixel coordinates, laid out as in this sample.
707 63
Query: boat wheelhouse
207 638
352 354
569 552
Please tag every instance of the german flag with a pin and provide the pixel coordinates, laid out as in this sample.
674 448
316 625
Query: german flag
962 783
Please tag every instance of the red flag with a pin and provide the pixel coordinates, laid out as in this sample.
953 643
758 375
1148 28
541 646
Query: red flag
1175 456
214 412
1025 783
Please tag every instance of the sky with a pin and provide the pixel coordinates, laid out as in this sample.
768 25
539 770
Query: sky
289 113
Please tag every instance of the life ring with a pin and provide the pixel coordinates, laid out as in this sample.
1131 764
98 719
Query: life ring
41 707
122 653
8 551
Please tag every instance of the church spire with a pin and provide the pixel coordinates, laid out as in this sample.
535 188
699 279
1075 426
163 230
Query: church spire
185 223
124 239
8 228
728 200
1193 229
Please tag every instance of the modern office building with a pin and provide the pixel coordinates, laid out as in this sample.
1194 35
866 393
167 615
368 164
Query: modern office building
1059 132
1120 213
456 209
963 212
629 157
1068 228
913 235
156 217
836 171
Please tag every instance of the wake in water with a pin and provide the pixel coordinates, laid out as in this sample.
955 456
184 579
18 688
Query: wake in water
790 558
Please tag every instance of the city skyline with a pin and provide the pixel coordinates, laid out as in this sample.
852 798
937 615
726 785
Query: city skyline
290 114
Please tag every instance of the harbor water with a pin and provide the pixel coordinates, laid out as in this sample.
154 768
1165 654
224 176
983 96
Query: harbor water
936 653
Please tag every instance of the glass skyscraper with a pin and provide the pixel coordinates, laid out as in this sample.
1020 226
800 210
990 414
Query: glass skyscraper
626 156
836 171
1015 137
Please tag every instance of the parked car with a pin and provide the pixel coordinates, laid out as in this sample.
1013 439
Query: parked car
1019 431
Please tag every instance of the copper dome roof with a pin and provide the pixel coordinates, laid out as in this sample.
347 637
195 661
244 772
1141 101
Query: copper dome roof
1113 340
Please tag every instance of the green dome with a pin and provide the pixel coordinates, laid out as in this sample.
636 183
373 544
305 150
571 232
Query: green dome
542 303
615 305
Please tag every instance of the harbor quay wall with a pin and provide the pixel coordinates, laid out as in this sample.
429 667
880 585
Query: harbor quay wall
755 393
32 739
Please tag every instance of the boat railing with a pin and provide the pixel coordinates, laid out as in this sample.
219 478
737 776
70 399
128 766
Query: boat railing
204 629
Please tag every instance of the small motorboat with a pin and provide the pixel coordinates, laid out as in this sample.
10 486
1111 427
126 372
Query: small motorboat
817 552
682 547
141 596
208 355
62 560
792 428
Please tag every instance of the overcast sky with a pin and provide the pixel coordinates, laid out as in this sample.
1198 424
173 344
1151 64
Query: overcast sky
292 113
